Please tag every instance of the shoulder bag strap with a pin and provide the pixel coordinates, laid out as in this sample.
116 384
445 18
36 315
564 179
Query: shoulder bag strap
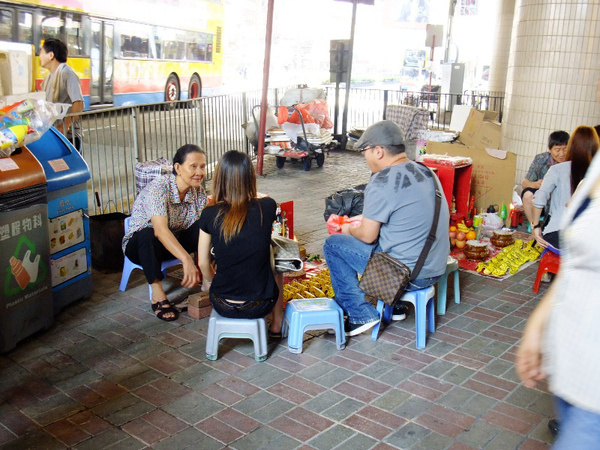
431 238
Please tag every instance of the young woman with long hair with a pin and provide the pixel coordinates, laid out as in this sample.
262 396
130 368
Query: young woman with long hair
560 183
236 230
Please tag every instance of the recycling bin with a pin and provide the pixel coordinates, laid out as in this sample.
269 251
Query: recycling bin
26 304
67 174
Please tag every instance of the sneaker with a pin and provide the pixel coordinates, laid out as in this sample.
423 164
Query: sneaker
400 311
546 278
353 329
553 426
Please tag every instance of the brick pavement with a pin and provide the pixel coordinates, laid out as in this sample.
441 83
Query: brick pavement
109 374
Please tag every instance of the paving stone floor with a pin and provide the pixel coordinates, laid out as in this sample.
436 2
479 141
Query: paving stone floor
108 374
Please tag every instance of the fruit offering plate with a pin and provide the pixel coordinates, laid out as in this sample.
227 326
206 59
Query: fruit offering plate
469 265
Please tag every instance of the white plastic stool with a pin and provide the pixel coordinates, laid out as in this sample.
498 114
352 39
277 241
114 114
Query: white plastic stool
220 327
312 314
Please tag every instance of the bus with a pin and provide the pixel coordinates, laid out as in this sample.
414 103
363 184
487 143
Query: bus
126 52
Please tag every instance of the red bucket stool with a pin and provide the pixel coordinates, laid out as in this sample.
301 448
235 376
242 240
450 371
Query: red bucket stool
549 262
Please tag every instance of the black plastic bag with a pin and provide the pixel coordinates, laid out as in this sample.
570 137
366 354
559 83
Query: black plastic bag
106 233
347 202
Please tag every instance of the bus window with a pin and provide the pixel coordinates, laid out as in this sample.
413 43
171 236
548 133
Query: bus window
173 43
6 25
74 32
134 41
197 44
52 24
25 28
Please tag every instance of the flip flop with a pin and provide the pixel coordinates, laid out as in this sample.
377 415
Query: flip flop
164 307
273 335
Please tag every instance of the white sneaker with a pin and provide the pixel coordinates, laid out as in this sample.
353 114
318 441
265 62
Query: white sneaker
399 312
353 329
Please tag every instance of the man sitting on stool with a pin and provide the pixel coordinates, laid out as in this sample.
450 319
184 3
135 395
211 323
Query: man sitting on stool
398 212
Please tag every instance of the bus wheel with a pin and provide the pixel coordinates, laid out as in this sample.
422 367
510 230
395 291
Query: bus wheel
172 89
195 89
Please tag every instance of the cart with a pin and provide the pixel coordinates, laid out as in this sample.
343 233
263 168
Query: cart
304 150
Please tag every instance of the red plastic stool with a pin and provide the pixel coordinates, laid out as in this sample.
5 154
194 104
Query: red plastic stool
550 262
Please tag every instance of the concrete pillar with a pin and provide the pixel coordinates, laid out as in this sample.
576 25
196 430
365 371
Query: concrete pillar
499 65
553 71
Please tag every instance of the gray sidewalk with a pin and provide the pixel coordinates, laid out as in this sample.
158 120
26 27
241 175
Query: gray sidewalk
109 374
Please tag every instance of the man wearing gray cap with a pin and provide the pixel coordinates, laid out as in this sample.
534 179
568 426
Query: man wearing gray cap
398 212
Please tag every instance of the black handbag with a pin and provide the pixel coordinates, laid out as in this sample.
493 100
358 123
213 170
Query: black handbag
385 278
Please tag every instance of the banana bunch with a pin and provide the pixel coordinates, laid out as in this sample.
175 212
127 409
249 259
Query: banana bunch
318 286
462 227
510 259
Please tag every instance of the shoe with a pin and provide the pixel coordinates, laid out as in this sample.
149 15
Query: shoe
546 278
165 311
400 312
274 336
353 329
553 425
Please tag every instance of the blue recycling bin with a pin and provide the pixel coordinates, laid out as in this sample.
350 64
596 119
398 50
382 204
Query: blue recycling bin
67 174
26 303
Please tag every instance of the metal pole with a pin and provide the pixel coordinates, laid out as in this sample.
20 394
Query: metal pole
265 87
348 77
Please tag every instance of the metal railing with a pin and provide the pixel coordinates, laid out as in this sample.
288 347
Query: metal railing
367 106
115 139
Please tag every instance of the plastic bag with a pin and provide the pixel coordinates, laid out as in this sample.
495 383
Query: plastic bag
285 116
336 221
347 202
26 121
319 111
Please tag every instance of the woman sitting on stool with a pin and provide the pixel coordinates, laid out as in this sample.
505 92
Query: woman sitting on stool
236 229
164 225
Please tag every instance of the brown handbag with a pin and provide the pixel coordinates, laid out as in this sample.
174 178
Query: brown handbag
385 278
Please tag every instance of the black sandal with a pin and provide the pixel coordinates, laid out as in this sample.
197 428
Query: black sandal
163 308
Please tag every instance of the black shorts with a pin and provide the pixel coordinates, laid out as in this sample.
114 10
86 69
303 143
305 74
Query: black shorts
532 190
252 309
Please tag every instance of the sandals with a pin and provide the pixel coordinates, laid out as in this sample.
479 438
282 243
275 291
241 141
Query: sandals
163 308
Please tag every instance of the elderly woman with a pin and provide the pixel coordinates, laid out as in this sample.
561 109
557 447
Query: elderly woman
165 225
560 182
236 229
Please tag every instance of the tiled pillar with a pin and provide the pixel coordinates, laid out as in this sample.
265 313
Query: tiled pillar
499 66
553 71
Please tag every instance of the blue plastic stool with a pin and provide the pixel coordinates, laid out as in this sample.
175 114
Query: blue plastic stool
220 327
442 284
312 314
129 267
422 300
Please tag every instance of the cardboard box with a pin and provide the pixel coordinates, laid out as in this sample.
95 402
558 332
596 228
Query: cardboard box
480 132
493 176
14 72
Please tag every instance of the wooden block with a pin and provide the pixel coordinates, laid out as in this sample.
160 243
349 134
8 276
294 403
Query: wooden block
199 300
199 313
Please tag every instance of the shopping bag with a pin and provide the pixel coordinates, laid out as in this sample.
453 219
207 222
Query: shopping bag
286 254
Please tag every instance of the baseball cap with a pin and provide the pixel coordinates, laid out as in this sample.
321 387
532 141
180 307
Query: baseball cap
384 133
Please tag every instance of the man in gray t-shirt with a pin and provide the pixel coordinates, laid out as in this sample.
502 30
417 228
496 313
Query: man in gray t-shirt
399 207
62 86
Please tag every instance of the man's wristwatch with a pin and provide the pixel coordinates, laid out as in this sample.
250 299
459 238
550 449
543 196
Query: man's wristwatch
539 225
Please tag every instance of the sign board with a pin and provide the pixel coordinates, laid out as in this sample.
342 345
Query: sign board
434 30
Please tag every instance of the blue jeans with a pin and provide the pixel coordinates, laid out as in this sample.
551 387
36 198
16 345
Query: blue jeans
579 429
347 258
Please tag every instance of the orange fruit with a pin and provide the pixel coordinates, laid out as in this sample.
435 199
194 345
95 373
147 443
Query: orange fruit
453 228
471 235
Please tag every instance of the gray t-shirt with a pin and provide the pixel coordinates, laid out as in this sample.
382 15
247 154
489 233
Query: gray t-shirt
69 90
402 199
